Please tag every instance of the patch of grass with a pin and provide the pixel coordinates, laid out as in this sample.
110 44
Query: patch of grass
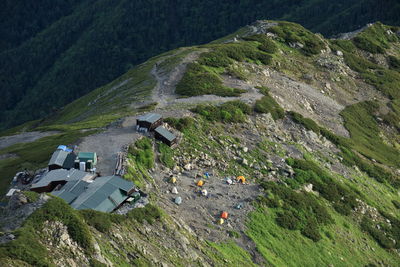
309 124
180 123
149 213
236 71
364 132
307 171
283 247
266 44
358 63
297 210
197 80
267 104
394 63
343 45
290 33
166 156
362 139
233 111
374 39
229 253
100 220
396 203
31 196
26 246
142 152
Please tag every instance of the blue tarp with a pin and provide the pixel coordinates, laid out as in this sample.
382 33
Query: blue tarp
62 147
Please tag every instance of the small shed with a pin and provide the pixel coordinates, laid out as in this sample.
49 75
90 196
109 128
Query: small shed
61 160
149 121
165 136
89 158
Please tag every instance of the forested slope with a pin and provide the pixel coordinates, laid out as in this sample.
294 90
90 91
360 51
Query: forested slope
52 52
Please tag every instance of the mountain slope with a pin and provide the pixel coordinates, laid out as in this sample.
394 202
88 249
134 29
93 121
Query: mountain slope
312 124
70 48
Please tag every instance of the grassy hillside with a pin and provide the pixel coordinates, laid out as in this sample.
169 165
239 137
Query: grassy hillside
314 195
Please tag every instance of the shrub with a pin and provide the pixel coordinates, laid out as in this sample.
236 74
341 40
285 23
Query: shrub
197 80
149 213
100 220
311 231
374 39
380 237
266 44
396 203
142 152
302 211
31 196
166 156
309 124
267 104
180 123
394 63
294 33
288 220
57 210
233 111
368 45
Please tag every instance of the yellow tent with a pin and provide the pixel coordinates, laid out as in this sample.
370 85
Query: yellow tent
200 183
241 179
173 180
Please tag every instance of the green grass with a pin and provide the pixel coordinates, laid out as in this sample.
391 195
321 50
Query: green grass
31 196
140 159
374 39
282 247
233 111
394 63
293 33
166 155
267 104
364 132
26 246
229 253
297 210
198 80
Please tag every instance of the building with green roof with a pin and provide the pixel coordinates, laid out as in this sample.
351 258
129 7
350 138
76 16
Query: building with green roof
102 194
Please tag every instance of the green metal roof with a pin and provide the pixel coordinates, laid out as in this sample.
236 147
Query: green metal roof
85 156
150 117
60 175
103 194
58 158
165 133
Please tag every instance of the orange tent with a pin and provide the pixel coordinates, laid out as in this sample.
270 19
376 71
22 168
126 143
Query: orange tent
224 215
200 183
241 179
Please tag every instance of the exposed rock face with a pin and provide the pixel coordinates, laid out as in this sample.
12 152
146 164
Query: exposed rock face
18 209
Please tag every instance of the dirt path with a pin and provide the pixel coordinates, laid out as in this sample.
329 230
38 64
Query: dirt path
26 137
164 91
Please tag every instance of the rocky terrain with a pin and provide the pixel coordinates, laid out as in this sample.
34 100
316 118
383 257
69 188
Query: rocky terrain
320 162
